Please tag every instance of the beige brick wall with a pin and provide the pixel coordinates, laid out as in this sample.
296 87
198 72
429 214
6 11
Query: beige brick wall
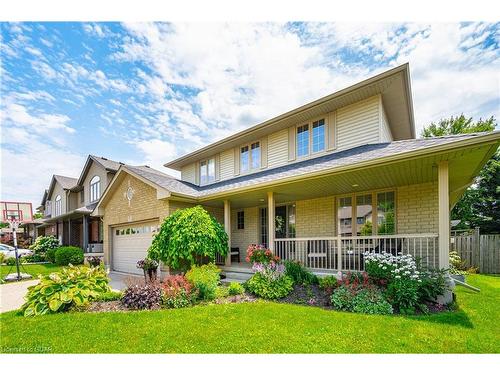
242 238
417 208
143 206
315 217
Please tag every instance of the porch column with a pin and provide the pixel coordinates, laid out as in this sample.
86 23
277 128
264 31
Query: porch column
85 233
444 215
227 228
270 220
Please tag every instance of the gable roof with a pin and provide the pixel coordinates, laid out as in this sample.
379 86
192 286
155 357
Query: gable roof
393 85
109 165
370 154
66 183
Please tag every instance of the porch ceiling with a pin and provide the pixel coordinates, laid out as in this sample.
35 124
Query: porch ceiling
463 167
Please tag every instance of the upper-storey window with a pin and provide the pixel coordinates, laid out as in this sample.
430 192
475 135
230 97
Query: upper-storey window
58 206
318 135
82 196
207 171
95 189
303 140
250 157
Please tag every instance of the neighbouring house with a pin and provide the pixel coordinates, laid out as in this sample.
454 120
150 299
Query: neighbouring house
22 212
321 184
68 203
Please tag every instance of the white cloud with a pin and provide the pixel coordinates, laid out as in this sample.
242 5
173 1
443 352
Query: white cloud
154 152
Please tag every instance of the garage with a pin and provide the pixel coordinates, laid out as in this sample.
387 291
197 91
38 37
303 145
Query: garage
130 244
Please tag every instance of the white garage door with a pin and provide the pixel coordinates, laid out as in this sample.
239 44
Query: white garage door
130 244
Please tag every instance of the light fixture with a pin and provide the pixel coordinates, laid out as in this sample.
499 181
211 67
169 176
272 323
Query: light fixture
261 199
355 185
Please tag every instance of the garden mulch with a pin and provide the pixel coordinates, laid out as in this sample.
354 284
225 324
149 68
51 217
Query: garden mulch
311 295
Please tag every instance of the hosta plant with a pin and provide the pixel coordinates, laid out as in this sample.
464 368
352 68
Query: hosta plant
60 291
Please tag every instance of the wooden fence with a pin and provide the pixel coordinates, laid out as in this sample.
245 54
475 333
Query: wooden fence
478 250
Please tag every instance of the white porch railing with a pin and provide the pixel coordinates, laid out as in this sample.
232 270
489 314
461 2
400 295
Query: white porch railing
321 253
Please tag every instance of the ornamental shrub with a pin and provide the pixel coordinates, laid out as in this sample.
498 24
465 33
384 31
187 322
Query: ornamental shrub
69 255
44 243
94 261
60 291
50 255
205 279
299 274
35 258
432 285
144 296
328 283
221 292
361 300
2 258
177 292
112 295
188 236
457 265
403 295
268 288
235 289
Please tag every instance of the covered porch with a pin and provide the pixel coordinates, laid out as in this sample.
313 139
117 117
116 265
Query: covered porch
328 221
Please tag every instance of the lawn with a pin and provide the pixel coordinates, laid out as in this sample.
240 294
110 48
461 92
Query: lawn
33 269
264 327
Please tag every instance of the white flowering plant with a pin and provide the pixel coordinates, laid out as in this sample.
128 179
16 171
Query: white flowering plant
386 267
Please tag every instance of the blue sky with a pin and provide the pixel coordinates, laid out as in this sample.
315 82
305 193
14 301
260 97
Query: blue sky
145 93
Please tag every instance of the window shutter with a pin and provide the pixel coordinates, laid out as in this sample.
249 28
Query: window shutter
263 152
236 161
291 143
332 131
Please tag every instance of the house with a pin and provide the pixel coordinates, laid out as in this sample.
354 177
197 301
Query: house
68 203
20 211
321 184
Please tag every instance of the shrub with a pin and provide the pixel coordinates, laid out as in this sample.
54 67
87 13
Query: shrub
221 292
186 236
361 300
176 292
2 258
260 254
267 288
44 243
35 258
432 285
205 279
299 274
235 289
69 255
111 295
10 261
60 291
403 295
94 261
457 265
50 255
140 297
328 283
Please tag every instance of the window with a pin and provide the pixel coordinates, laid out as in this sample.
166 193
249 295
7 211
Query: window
244 159
318 136
95 188
58 205
303 140
263 226
364 214
82 196
241 219
207 171
363 206
285 221
385 213
255 156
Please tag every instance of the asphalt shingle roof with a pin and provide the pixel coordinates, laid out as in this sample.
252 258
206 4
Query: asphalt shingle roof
66 182
330 161
106 163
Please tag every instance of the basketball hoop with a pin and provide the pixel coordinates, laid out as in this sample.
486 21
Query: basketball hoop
14 223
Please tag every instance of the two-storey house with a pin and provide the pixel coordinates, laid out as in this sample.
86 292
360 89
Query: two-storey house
68 203
322 184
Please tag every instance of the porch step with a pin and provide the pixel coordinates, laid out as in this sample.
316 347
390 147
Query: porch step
237 276
228 281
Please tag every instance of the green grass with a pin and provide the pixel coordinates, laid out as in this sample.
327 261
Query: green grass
265 327
33 269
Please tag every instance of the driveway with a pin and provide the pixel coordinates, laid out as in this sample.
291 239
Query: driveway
12 294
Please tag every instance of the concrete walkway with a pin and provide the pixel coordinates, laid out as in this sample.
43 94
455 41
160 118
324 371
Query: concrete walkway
12 294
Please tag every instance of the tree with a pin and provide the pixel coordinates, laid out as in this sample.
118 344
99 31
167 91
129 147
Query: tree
479 206
187 236
458 125
38 215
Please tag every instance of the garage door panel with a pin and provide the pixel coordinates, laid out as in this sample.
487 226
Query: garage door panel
130 244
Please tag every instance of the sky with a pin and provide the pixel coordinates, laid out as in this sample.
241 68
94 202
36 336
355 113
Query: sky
146 93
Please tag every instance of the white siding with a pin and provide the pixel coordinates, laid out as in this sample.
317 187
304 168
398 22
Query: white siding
227 164
188 173
277 147
385 131
358 124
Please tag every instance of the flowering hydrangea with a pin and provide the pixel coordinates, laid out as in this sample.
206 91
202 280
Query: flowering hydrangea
391 266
